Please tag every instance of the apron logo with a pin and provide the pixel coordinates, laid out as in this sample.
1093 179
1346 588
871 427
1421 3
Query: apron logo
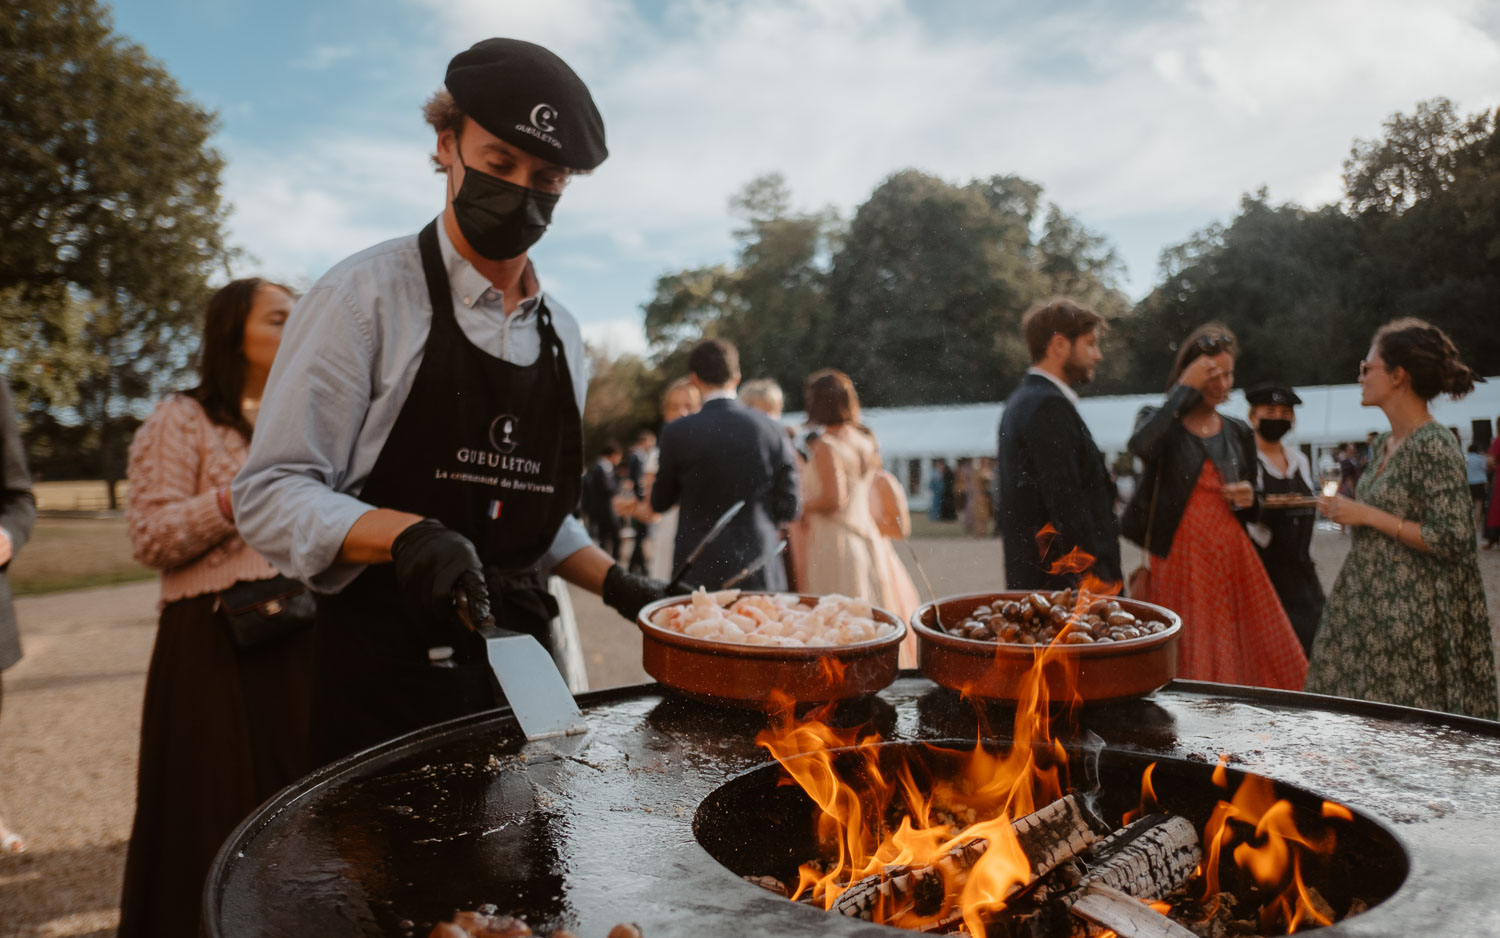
502 431
495 506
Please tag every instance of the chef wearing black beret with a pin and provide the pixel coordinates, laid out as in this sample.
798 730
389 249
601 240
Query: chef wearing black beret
1283 533
419 440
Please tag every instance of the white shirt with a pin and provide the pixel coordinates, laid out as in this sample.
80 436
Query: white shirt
1062 385
349 354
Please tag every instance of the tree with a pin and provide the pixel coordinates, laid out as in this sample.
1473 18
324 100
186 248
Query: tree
1418 234
930 283
768 304
110 213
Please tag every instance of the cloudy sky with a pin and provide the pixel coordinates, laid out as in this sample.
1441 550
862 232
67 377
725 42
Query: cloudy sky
1147 120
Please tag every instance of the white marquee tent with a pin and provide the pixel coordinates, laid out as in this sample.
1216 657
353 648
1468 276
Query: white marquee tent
911 437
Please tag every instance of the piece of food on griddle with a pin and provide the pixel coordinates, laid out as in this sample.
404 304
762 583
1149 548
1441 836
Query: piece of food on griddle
1072 617
486 924
776 619
481 924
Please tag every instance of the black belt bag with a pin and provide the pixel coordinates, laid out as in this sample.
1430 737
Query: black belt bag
260 611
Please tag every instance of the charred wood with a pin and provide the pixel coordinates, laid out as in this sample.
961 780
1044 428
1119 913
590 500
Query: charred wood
1125 915
1047 837
1147 861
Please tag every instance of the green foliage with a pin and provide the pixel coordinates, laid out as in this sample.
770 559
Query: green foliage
110 214
1418 235
624 398
919 299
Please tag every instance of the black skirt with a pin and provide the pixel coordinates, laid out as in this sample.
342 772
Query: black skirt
221 731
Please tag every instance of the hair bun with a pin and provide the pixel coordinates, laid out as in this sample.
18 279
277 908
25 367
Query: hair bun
1458 378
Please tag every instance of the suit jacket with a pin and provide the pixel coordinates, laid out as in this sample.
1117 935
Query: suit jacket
1175 456
599 488
1052 473
17 515
710 460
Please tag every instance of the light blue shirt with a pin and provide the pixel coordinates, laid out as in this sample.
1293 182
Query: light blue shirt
349 354
1475 462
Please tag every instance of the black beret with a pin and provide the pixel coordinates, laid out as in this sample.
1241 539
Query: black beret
1272 394
529 98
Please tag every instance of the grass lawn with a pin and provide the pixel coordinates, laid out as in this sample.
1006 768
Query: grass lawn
74 553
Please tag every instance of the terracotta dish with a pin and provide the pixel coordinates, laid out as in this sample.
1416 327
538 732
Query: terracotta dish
747 675
994 670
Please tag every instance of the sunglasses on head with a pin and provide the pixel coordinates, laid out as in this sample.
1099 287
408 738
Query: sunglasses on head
1213 344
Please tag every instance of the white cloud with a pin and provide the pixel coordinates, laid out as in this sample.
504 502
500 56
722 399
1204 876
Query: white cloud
1183 112
1121 118
616 337
298 213
325 56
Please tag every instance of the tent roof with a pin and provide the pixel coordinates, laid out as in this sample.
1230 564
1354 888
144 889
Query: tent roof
1329 414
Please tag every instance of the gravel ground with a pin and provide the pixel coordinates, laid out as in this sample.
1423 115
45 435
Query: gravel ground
72 718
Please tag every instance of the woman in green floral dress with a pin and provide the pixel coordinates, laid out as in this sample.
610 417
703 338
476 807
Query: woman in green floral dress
1406 622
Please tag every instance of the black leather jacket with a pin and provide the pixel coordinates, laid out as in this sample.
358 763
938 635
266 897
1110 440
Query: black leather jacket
1175 455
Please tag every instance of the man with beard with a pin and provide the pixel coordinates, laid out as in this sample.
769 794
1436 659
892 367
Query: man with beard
1055 490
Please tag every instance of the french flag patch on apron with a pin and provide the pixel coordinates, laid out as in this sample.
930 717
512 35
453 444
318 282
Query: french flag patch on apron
495 506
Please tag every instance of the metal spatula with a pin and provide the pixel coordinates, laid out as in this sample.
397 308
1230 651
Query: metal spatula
708 539
528 677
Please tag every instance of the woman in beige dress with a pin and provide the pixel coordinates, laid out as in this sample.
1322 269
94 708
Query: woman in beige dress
846 553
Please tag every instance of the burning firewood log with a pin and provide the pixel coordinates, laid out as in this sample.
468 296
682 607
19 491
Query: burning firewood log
1149 859
1048 837
1125 915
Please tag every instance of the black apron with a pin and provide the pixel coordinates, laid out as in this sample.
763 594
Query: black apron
1288 557
493 450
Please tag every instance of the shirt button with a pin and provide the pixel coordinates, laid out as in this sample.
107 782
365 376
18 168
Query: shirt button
468 301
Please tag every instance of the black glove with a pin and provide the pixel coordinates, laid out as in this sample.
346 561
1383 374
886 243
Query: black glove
433 563
627 592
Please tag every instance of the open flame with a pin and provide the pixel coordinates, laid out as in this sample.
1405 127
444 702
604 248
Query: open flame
875 817
1270 848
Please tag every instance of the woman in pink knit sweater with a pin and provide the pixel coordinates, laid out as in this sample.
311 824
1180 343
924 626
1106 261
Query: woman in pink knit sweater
222 728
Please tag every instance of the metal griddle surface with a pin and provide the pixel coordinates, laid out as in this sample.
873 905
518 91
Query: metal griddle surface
594 830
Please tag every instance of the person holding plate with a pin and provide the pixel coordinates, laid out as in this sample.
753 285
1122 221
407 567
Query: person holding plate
1283 533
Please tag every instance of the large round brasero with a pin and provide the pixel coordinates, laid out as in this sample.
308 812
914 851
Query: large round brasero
1358 863
651 815
759 676
1096 671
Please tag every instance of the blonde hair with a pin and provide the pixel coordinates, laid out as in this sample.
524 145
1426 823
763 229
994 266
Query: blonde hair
763 394
682 384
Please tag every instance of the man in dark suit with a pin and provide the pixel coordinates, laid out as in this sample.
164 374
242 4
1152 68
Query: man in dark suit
725 453
600 486
1052 476
17 515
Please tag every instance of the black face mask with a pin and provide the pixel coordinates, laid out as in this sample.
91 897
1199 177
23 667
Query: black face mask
1273 430
500 219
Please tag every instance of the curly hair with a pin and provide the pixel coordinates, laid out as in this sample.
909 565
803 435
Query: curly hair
1427 355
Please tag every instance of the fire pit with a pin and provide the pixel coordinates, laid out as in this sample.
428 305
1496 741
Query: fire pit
654 814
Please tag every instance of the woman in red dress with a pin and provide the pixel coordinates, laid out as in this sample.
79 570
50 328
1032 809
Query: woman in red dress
1191 506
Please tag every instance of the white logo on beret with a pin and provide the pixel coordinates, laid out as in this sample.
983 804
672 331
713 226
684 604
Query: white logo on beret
541 117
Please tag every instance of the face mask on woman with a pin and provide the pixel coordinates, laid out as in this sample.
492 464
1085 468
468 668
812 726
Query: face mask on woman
1273 429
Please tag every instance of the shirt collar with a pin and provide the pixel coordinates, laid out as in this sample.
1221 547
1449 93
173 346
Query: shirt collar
469 286
724 394
1068 392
